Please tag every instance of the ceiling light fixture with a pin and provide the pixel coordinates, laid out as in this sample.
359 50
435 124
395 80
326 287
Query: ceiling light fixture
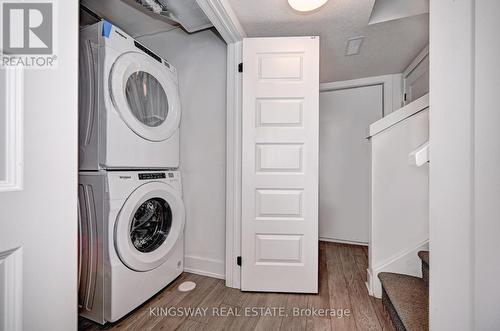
306 5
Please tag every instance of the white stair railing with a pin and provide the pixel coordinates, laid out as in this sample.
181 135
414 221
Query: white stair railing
399 222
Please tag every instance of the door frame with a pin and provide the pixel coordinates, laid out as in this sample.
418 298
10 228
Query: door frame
424 53
391 86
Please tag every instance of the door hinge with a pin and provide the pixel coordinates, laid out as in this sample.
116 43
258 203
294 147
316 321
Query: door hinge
404 97
240 67
238 261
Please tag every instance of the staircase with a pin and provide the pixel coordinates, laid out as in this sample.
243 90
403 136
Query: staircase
406 298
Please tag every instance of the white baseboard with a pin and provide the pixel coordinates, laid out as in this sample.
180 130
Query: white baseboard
368 282
406 262
340 241
205 267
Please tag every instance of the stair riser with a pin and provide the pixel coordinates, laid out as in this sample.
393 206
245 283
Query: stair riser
406 300
425 272
396 321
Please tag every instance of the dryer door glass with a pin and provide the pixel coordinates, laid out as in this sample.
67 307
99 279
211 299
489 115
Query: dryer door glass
146 98
145 94
151 225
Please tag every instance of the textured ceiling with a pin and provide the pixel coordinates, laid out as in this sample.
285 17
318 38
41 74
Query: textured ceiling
388 47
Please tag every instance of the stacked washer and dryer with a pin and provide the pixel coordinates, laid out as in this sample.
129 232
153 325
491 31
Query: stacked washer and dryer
131 213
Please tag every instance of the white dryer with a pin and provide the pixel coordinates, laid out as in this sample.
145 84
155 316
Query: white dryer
130 239
129 108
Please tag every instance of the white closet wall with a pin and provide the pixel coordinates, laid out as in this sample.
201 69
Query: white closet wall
201 63
344 189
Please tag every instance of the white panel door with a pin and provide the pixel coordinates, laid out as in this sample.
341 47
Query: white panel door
38 183
280 164
345 163
3 126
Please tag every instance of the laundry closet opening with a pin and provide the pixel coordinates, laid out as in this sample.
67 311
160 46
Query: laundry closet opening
200 62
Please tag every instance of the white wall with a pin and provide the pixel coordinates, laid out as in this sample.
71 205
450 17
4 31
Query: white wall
201 63
465 153
345 190
42 218
486 165
451 167
344 208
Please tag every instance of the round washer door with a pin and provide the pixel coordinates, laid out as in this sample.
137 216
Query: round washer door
146 96
149 224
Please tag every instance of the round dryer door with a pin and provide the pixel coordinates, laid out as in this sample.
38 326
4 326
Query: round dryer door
148 226
145 94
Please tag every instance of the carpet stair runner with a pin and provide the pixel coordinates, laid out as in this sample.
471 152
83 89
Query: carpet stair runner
406 298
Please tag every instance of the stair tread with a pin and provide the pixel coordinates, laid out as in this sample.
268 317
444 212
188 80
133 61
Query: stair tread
410 297
424 256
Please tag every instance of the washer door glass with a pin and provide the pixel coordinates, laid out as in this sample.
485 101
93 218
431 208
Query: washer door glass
146 98
151 225
148 226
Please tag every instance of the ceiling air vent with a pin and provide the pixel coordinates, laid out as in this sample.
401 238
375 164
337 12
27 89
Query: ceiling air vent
353 45
187 13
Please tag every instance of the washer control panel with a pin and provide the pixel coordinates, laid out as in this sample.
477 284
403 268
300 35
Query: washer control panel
154 175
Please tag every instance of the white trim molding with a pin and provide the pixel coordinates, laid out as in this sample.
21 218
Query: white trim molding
233 165
340 241
222 16
11 290
13 180
416 61
391 86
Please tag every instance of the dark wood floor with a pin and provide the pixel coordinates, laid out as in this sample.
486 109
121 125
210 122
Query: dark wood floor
342 286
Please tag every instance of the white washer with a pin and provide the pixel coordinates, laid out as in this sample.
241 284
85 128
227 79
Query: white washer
131 226
129 108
